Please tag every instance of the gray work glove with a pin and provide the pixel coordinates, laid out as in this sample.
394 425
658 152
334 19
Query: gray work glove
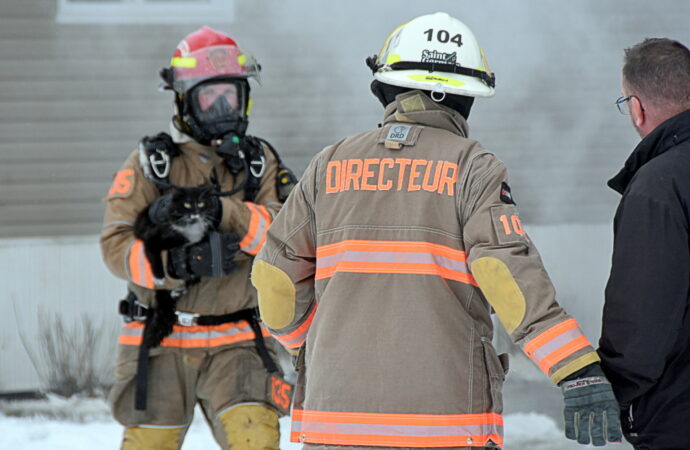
591 410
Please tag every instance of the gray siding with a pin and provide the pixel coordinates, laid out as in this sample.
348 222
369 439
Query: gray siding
75 99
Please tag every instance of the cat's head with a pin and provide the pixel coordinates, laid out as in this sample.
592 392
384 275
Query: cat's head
192 205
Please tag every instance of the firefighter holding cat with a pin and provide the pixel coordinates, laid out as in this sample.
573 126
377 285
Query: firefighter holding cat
218 355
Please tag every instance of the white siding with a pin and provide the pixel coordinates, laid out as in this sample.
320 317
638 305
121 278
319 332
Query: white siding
74 99
62 277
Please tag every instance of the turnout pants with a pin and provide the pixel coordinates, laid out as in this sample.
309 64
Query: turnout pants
230 383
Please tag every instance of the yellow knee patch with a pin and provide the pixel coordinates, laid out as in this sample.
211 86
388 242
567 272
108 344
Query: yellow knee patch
501 290
276 294
251 427
144 438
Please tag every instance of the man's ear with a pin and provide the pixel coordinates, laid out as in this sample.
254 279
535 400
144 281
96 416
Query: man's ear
637 112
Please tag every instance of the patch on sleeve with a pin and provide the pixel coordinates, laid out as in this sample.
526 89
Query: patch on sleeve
507 224
506 195
123 184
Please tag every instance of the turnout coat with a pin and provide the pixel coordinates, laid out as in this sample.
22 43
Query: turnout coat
382 269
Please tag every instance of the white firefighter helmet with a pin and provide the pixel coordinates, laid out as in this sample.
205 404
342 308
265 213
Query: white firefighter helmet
436 53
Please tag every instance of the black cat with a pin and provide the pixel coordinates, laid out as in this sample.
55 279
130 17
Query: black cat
183 216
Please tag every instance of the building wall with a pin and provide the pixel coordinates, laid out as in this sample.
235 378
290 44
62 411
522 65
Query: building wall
46 281
75 99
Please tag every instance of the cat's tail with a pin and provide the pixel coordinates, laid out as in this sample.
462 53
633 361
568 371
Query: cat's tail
164 318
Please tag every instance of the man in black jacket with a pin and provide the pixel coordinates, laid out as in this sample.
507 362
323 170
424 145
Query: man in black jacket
645 342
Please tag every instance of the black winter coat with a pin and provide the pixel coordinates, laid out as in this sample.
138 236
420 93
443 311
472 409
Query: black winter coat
645 342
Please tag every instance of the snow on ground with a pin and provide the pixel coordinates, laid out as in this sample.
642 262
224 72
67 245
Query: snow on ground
79 424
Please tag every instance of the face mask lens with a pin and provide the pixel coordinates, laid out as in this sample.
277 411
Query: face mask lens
220 98
217 107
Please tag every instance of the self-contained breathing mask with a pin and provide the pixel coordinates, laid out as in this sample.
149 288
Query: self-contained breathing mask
214 113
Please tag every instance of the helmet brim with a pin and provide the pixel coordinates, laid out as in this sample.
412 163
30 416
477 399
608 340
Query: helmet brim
454 84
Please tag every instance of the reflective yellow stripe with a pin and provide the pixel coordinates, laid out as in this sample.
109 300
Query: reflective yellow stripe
184 62
436 78
573 366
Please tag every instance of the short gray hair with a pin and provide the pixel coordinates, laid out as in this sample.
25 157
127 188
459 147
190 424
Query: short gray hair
659 70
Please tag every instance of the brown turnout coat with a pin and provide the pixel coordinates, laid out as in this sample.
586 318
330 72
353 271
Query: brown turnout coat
132 192
383 240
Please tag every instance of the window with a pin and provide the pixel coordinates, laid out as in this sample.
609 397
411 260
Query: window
144 11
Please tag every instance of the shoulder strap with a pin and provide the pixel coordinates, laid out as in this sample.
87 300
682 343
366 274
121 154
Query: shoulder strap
256 166
285 178
156 154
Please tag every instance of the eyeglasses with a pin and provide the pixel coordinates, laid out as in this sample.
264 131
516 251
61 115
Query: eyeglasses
620 101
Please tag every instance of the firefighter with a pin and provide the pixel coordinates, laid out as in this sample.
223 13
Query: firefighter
216 355
383 267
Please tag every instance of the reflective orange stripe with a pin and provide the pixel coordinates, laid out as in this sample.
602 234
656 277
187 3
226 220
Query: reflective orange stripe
397 419
554 358
194 336
396 257
398 430
550 334
253 225
390 246
259 221
556 344
139 265
296 338
264 212
414 269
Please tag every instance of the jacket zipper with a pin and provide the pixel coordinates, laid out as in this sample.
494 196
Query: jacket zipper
631 420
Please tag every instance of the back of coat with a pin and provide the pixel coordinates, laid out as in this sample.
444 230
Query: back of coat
372 252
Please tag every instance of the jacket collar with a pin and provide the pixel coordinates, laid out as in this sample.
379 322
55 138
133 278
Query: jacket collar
667 135
199 152
416 107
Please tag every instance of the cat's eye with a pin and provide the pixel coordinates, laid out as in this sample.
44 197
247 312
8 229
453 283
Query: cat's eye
187 205
201 204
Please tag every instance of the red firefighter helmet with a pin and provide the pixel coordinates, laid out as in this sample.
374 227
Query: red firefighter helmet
207 53
208 73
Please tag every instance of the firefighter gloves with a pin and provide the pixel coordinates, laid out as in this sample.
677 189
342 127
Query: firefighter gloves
591 410
212 257
159 209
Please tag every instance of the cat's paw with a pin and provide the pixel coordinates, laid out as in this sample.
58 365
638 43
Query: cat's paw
158 281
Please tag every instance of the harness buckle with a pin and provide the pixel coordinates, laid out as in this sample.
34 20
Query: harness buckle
261 162
160 163
186 319
131 310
